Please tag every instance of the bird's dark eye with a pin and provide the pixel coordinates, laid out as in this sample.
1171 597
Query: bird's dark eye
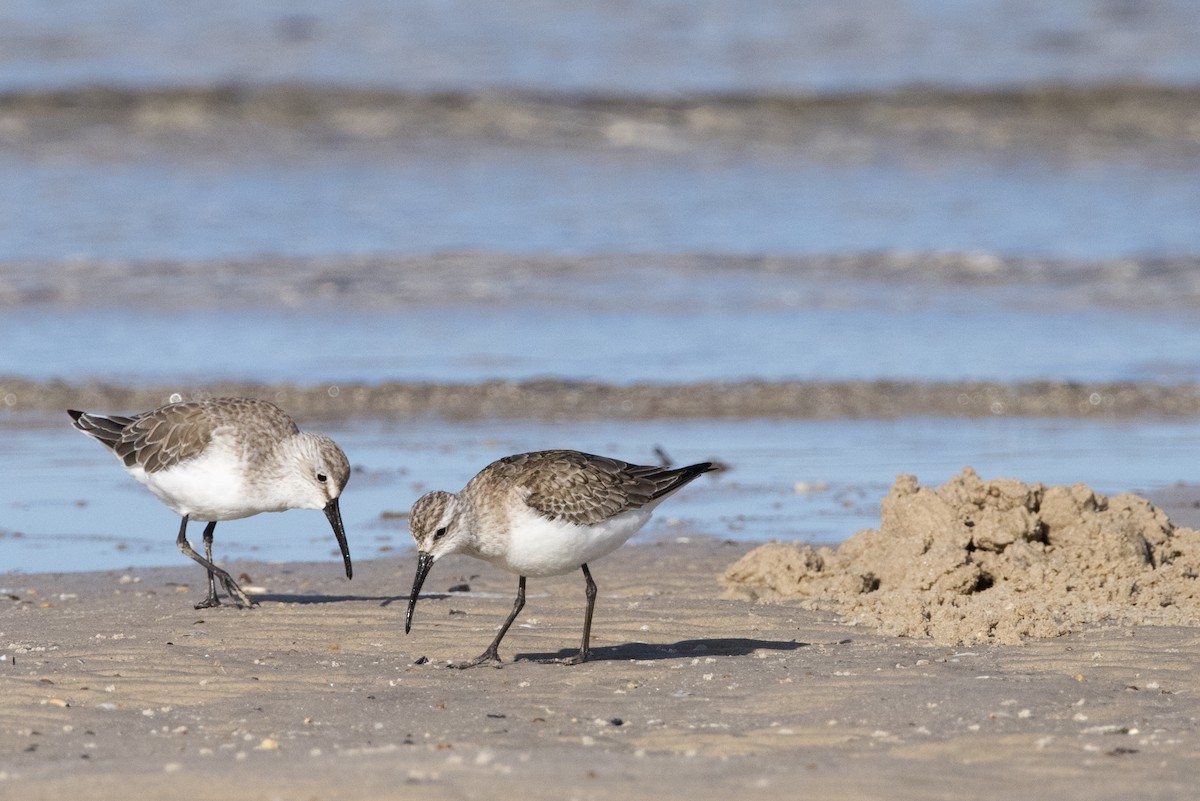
441 532
322 477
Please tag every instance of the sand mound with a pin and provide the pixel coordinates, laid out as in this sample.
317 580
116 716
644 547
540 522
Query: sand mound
1000 561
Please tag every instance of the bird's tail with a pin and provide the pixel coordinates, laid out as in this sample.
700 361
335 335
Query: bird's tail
671 480
105 429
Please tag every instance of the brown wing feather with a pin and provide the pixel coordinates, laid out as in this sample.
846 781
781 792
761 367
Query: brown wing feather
583 488
147 441
175 433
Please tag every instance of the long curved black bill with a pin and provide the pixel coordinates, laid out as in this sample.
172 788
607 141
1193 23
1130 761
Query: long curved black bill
335 519
424 562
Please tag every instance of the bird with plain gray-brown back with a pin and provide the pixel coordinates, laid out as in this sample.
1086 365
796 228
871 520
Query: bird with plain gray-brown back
539 514
225 459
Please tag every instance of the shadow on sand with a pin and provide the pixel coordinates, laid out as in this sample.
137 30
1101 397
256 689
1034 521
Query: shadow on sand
382 600
715 646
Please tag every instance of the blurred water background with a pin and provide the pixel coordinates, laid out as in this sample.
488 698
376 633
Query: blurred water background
663 191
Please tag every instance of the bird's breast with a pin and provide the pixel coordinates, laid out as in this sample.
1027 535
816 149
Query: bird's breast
212 486
538 546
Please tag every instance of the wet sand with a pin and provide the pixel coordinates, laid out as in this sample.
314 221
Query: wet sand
1079 122
653 281
565 399
111 683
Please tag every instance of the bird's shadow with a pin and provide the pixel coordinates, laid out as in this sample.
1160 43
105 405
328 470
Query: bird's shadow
382 600
713 646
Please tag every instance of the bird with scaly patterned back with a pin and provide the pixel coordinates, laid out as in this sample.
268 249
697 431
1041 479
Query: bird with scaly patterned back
541 514
225 459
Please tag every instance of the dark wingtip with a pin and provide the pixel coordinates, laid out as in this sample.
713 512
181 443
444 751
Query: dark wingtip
679 477
75 414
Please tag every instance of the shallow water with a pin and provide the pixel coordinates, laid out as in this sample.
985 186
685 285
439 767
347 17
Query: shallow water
654 46
71 507
972 338
581 202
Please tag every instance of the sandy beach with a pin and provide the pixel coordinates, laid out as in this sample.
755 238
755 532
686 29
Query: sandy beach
112 683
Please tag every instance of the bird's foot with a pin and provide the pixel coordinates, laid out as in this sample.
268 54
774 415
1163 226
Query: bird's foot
209 602
577 659
240 598
488 657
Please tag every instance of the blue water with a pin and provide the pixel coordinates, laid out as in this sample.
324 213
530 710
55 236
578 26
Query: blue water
947 339
201 194
576 201
653 46
71 506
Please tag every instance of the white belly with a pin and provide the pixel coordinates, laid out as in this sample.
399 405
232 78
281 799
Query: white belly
541 547
211 487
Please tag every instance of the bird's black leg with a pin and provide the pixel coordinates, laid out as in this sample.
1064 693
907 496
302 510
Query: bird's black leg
585 648
212 599
490 656
231 586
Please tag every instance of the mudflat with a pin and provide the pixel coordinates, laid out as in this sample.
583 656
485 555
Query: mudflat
112 684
